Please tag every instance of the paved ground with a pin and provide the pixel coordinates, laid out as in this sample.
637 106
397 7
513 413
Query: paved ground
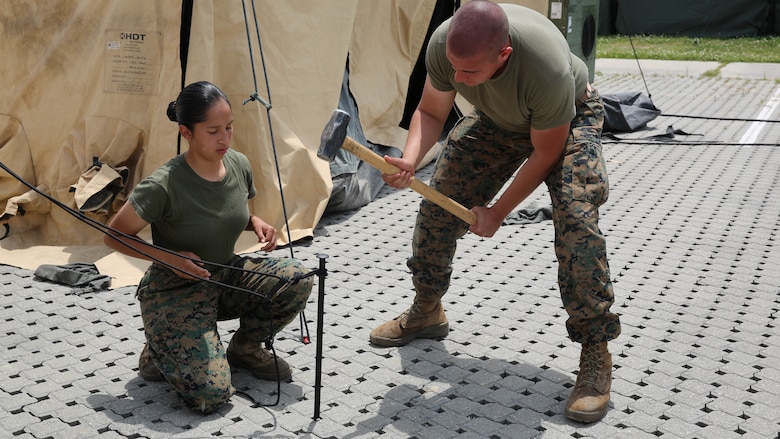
692 224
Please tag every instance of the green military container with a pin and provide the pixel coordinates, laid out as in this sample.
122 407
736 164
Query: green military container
581 31
578 21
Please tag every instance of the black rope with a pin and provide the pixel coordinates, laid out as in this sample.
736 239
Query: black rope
185 31
682 142
267 104
728 119
254 96
114 232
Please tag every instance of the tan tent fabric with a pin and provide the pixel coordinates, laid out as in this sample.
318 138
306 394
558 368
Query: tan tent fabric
81 79
14 148
25 205
387 39
92 78
24 210
88 78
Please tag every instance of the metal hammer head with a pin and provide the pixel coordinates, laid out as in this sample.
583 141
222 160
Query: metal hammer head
333 135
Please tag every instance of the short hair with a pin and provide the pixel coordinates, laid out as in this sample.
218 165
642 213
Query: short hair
479 26
194 101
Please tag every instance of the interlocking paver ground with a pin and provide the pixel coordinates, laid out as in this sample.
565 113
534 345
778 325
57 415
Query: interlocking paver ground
692 226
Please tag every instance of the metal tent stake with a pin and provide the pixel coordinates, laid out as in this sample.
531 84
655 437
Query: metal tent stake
321 274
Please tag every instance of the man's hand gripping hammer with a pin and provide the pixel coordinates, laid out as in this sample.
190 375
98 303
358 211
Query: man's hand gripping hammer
334 137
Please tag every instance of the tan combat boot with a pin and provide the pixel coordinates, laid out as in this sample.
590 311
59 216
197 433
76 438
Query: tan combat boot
146 368
424 319
590 396
249 355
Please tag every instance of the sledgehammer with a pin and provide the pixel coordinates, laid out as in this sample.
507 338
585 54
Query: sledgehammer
334 137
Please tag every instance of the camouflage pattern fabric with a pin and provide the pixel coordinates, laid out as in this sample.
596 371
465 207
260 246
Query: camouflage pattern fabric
180 321
476 162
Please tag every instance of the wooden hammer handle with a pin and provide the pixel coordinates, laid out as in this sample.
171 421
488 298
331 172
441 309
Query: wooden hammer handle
375 160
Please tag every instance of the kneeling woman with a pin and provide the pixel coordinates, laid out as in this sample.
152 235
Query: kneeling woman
197 207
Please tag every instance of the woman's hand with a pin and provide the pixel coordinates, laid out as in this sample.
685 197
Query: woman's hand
188 266
265 232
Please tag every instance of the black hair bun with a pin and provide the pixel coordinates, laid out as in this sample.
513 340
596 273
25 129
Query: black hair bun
171 112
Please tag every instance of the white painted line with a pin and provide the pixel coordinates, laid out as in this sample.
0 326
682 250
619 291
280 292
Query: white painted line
755 128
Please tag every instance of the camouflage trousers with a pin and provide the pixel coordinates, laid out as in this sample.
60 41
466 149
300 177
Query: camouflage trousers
180 320
477 160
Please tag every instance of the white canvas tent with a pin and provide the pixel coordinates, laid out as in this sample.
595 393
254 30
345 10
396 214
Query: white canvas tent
86 79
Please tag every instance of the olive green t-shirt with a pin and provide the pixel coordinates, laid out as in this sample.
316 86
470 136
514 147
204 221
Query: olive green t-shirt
188 213
540 84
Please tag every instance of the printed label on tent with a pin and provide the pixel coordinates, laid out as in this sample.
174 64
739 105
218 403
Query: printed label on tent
132 62
556 10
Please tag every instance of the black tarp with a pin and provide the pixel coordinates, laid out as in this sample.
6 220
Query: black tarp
627 111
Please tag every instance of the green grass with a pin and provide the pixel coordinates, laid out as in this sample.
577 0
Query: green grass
747 49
